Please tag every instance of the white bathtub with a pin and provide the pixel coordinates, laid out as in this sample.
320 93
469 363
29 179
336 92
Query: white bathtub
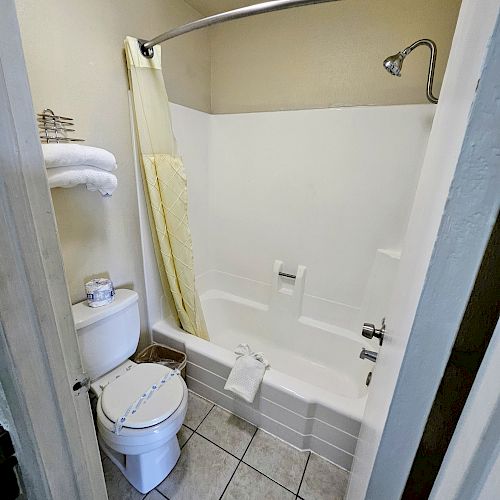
314 394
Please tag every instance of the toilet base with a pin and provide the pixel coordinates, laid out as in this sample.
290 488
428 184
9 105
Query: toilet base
146 470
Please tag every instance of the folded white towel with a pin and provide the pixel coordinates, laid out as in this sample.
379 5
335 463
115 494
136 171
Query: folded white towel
247 373
93 178
73 155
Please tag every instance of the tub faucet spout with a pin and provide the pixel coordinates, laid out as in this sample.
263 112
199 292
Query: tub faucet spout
365 354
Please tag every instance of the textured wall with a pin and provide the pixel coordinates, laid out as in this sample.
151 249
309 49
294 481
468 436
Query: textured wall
327 55
75 60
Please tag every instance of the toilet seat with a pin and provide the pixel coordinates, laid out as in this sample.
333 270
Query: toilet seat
133 441
144 455
120 394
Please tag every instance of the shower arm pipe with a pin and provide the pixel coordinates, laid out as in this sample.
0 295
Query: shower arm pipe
147 46
432 63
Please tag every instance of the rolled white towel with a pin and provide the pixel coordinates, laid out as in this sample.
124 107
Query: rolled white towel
73 155
247 373
93 178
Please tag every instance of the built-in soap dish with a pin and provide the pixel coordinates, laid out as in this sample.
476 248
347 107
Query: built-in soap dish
288 286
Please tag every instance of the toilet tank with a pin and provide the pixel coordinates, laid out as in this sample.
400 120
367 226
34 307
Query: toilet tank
109 334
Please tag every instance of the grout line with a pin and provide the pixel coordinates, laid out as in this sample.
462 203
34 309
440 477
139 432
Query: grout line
192 433
158 491
265 475
303 473
270 478
230 479
246 449
240 460
203 419
218 446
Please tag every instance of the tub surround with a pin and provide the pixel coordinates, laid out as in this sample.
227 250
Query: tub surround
244 214
265 187
320 188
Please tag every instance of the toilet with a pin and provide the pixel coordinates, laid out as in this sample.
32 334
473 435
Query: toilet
140 407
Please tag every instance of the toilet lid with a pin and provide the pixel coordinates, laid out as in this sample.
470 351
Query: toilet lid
120 394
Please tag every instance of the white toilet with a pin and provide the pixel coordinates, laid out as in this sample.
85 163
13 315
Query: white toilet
145 449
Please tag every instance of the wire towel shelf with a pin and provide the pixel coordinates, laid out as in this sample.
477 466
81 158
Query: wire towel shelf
55 128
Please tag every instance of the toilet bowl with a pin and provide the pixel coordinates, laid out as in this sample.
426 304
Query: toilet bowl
144 453
140 407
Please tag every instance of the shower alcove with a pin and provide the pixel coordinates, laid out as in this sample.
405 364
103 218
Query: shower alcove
318 188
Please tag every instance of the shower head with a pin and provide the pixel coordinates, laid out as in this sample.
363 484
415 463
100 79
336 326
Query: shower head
393 64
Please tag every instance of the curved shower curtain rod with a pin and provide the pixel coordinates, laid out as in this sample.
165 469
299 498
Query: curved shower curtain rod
146 46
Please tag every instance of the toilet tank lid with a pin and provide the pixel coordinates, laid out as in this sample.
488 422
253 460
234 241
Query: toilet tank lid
84 315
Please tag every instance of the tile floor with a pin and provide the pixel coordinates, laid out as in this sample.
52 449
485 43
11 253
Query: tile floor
224 457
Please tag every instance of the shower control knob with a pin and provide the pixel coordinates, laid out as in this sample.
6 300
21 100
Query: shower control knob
369 331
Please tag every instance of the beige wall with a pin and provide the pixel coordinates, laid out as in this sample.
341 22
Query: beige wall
326 55
74 55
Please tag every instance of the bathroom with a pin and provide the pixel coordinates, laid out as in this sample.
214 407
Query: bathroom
310 172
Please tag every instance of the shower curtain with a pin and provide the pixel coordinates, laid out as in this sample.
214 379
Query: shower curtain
165 185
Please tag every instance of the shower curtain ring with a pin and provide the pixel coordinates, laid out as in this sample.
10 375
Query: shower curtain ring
146 52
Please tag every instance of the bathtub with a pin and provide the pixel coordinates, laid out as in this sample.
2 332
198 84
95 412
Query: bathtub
314 393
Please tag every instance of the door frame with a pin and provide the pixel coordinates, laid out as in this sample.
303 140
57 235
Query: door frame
50 424
449 228
471 466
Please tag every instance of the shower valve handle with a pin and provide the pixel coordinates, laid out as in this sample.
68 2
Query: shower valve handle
369 331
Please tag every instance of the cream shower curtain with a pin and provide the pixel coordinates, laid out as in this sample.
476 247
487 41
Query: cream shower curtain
165 185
